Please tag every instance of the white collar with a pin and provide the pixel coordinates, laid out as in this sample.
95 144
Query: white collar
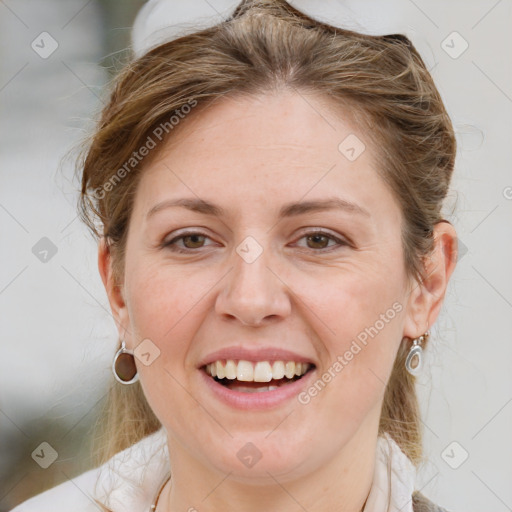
393 479
130 479
133 477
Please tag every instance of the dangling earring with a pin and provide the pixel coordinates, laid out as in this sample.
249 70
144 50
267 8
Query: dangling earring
414 360
123 367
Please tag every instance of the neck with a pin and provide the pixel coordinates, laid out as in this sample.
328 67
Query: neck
342 484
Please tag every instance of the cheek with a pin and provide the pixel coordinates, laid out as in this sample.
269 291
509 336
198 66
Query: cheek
159 299
361 330
375 332
163 307
350 302
167 305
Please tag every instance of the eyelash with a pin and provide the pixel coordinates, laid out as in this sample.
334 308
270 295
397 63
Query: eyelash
172 247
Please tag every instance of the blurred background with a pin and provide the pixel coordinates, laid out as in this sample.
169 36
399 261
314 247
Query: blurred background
57 335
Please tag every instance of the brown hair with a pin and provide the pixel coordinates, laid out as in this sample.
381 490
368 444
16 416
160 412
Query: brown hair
381 81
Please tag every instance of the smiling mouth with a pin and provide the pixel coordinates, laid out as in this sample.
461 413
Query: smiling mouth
256 387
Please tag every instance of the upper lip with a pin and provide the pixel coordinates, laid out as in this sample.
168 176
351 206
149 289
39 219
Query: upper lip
260 354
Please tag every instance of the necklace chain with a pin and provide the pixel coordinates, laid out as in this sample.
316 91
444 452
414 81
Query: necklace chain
153 506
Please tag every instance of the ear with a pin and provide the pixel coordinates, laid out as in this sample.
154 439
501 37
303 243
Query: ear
114 291
426 298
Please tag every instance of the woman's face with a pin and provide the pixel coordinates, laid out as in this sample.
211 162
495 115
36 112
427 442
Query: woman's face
251 278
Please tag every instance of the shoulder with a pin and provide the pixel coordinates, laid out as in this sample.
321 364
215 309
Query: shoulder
79 491
403 476
422 504
127 481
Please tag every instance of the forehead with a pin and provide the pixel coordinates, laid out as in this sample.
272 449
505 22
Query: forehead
284 124
267 149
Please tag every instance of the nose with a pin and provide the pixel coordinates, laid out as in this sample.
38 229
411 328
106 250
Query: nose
253 292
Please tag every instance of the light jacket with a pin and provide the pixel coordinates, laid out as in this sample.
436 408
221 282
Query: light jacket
132 478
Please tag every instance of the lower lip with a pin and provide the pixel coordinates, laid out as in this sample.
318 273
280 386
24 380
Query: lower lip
260 399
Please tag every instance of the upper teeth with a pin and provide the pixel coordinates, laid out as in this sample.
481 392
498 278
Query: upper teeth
262 371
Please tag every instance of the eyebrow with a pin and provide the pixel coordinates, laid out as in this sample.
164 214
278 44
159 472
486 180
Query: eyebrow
287 210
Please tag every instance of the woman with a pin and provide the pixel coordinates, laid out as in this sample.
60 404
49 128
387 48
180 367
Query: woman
267 197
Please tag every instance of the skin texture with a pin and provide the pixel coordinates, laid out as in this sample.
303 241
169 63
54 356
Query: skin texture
251 156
